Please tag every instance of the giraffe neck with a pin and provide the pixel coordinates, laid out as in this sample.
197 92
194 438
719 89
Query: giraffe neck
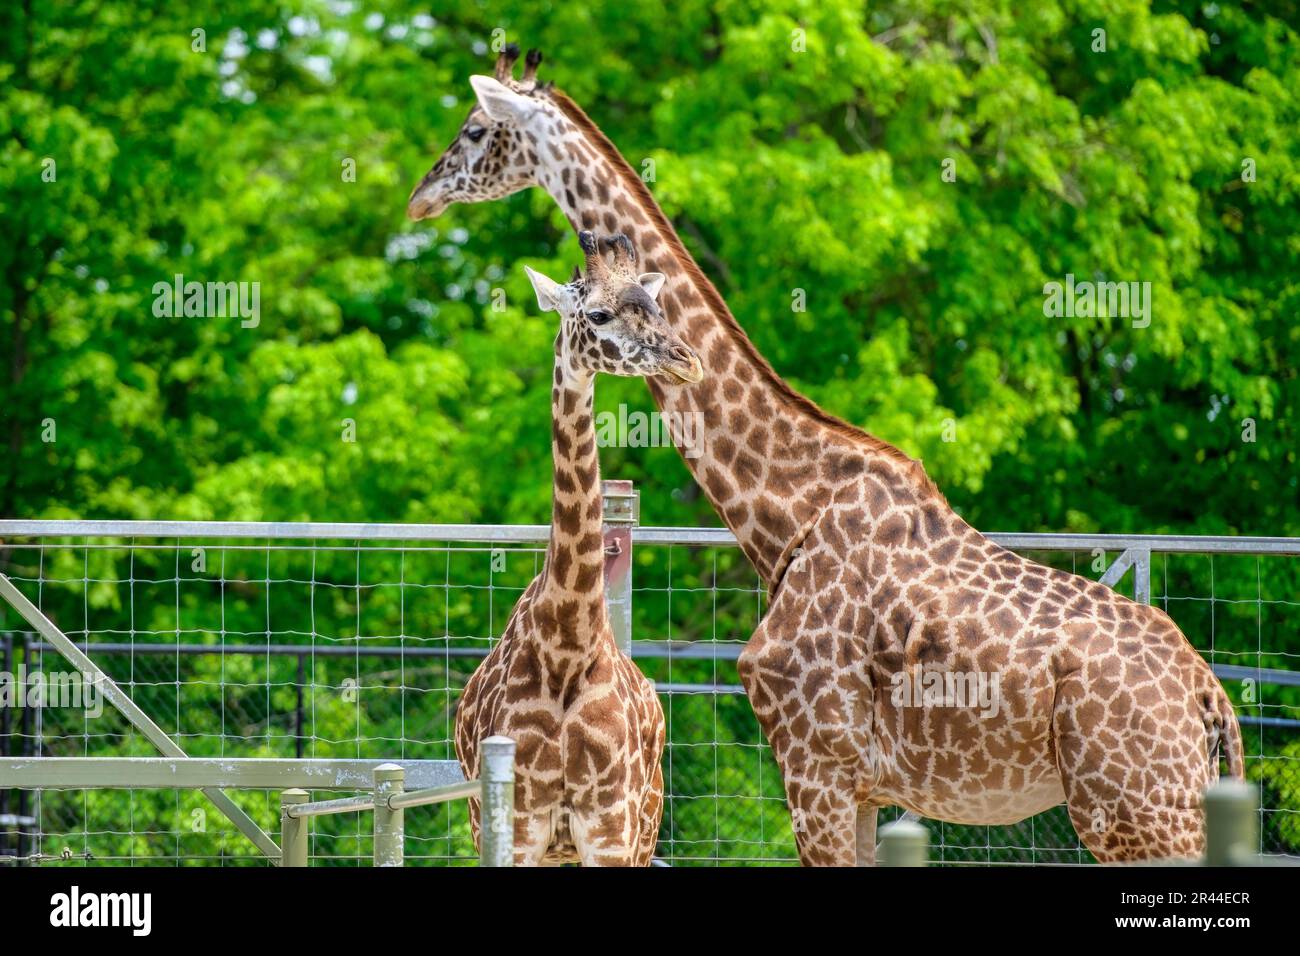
768 459
573 576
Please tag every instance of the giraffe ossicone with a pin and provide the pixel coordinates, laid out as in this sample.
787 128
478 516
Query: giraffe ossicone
587 724
875 581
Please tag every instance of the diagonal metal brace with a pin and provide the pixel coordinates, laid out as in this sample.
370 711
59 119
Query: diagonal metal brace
137 717
1139 559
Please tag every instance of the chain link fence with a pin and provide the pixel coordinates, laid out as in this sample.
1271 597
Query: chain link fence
333 642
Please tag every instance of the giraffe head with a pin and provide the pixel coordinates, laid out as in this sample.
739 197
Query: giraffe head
498 149
609 319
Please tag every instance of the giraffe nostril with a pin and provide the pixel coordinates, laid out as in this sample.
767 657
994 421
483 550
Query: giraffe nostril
680 353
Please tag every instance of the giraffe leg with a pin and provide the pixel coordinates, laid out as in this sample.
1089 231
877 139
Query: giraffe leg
866 835
824 815
819 753
608 858
651 816
1127 801
533 836
595 848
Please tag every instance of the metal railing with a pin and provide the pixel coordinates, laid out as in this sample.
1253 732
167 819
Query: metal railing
389 799
711 772
388 796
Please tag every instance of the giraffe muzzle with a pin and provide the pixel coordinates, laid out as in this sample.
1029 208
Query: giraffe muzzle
683 365
423 204
420 208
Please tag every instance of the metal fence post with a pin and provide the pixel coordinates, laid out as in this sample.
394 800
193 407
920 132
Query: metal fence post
390 829
6 668
293 830
904 843
1142 575
496 773
298 710
1139 559
1231 811
31 746
622 511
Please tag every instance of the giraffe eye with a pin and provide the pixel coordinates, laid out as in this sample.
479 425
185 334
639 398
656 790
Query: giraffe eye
599 317
476 133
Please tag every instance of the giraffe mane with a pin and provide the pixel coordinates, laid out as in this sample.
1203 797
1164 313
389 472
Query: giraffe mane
713 299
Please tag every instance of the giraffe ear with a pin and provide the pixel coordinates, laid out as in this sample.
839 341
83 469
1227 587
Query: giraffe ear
501 103
546 289
652 282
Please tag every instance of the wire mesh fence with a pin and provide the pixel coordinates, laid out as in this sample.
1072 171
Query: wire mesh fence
298 644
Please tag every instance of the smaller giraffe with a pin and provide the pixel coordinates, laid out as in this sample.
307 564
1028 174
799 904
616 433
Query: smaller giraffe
587 724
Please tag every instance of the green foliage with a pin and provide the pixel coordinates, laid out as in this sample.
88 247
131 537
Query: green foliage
798 145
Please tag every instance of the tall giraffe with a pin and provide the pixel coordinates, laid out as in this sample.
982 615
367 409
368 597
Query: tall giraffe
587 724
878 588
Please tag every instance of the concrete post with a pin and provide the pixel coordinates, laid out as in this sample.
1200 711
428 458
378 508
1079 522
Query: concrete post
904 843
1231 823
